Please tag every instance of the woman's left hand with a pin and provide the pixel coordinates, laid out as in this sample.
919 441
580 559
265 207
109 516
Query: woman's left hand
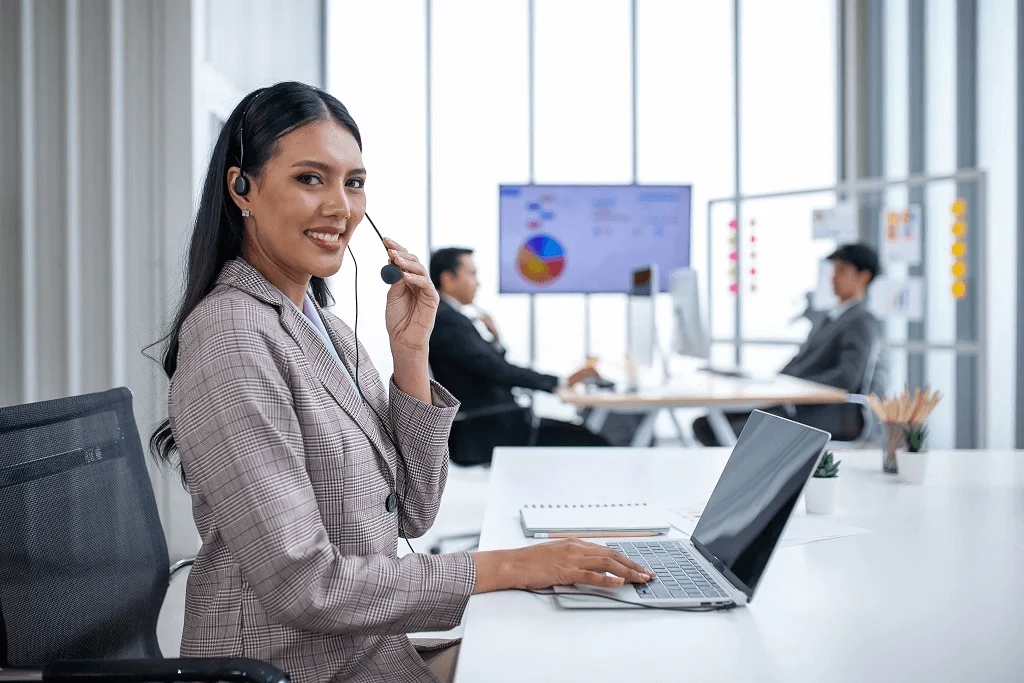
412 303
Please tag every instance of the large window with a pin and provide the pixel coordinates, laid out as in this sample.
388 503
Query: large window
375 67
581 103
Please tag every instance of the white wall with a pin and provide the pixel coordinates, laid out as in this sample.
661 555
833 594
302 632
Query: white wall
96 193
100 158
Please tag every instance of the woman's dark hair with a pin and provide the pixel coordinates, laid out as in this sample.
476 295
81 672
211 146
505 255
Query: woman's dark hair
219 232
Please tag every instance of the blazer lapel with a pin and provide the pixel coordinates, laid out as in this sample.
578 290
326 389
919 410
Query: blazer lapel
241 275
334 381
376 399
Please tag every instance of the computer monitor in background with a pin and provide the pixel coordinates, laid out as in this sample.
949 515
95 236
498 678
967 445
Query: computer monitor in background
641 330
587 239
689 336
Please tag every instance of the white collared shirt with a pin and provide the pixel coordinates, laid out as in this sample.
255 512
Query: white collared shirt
471 313
309 314
838 311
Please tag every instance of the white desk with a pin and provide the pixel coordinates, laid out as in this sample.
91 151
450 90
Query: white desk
716 393
935 592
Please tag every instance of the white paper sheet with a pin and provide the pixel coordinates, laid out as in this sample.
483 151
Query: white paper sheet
838 223
802 528
897 298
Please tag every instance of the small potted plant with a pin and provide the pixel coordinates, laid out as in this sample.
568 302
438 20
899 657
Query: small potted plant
823 488
913 459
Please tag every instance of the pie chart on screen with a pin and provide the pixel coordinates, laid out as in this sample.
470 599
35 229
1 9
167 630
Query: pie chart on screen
540 260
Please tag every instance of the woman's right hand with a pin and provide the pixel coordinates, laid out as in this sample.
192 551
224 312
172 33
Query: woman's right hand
558 563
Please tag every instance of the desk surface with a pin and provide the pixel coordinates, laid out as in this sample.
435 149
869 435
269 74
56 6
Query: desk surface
935 591
704 389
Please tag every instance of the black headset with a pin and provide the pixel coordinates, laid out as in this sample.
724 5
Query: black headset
390 273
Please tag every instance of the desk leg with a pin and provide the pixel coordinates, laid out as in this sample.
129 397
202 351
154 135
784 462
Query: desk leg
685 439
595 421
721 427
645 430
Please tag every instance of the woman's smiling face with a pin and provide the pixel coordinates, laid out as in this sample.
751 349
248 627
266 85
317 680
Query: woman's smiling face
305 203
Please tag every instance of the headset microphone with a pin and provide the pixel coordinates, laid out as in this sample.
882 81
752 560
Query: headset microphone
389 273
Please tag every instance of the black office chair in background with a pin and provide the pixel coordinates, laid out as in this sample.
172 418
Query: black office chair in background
83 561
472 448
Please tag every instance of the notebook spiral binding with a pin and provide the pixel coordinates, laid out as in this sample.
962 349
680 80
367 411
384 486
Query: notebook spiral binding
588 505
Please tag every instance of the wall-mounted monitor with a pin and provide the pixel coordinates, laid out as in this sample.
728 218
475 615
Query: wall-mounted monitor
588 239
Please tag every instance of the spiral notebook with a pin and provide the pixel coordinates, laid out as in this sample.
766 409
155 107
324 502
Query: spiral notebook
592 520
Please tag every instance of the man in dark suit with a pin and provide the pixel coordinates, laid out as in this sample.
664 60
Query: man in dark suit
838 351
467 358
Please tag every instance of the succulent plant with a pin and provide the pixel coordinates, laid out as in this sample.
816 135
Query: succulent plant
827 467
916 434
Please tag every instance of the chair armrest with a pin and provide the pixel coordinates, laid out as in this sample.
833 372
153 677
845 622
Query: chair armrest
181 564
869 417
237 670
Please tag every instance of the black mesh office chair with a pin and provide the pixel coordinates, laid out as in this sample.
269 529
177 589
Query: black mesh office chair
83 561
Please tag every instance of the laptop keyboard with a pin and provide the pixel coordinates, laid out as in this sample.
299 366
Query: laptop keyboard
677 574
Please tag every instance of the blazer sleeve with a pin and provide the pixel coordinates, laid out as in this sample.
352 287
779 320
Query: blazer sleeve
422 435
238 435
855 342
451 343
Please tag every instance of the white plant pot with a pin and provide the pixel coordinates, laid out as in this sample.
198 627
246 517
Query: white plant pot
820 495
912 466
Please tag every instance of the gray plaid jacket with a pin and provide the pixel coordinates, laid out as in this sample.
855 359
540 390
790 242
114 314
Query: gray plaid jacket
289 472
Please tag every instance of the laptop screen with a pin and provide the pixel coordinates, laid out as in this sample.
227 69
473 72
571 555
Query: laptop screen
744 519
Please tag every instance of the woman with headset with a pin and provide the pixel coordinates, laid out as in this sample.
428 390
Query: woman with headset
303 469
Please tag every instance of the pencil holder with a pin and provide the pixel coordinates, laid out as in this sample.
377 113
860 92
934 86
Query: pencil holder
895 439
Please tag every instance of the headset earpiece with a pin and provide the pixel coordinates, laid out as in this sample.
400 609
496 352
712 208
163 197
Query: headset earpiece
241 185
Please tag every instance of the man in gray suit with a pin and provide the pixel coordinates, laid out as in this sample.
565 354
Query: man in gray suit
838 351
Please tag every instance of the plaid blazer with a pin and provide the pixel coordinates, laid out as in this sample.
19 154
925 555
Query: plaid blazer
289 472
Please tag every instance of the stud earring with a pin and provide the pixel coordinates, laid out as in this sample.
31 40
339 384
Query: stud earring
245 213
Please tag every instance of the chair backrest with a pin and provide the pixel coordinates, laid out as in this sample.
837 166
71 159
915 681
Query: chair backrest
83 561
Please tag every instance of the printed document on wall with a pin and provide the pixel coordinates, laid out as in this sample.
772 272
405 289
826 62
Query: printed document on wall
901 236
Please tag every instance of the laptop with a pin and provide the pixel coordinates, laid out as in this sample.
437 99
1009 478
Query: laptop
725 558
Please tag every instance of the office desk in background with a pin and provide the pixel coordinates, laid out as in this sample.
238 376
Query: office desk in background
715 393
934 592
